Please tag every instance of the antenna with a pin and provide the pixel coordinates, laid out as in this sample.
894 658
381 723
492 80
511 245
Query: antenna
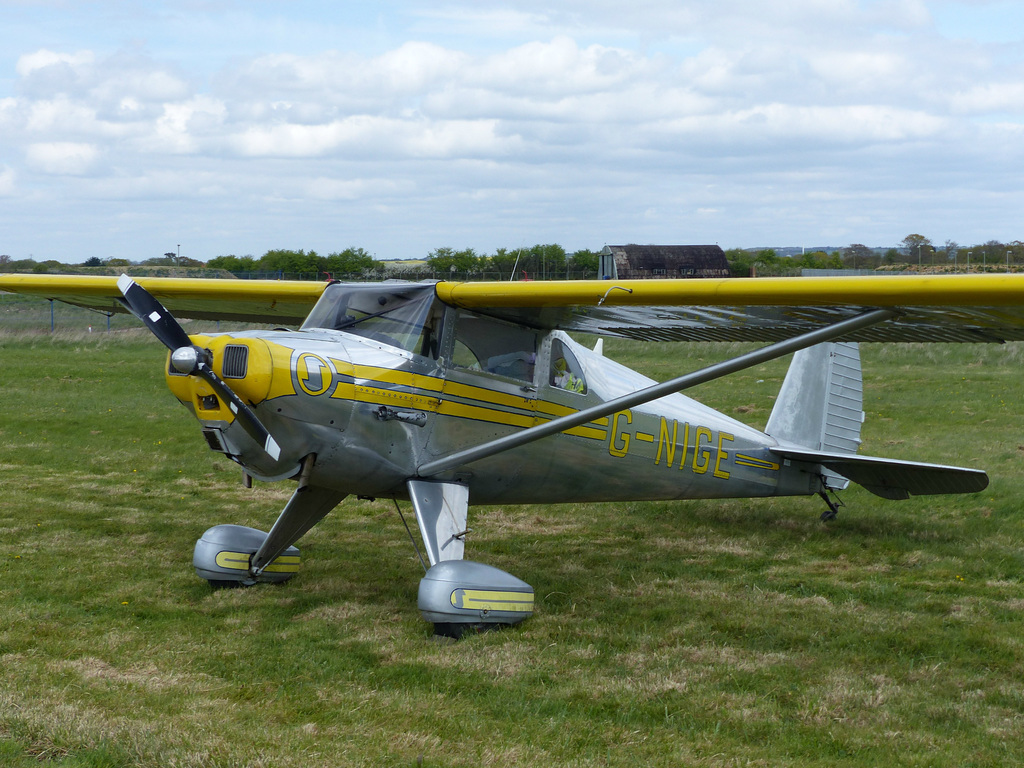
518 254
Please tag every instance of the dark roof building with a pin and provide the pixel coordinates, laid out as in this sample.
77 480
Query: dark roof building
640 262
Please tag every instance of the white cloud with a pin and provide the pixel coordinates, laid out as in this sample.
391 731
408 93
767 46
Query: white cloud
557 68
7 179
62 158
334 189
31 63
183 126
56 117
990 98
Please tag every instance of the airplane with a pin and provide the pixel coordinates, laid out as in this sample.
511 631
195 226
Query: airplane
447 394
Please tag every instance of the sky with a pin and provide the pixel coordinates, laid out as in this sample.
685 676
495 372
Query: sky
130 129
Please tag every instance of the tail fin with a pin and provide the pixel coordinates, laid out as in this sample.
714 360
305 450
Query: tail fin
820 405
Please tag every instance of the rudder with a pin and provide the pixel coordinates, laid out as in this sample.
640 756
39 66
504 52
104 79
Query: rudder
820 406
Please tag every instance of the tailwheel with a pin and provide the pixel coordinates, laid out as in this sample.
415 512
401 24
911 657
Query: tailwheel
833 506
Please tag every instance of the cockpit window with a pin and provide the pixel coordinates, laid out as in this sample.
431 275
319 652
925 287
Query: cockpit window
485 344
566 371
403 315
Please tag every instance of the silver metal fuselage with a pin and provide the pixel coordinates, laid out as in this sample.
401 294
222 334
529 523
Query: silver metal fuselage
373 412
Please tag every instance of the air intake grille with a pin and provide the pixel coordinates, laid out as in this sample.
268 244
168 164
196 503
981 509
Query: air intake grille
236 361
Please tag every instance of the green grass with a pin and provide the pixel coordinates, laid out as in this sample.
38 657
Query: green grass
692 633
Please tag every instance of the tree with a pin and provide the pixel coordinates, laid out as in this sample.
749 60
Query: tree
765 260
503 262
1016 249
351 261
992 252
819 260
584 263
448 260
951 249
740 262
915 245
549 261
859 256
293 262
93 261
237 265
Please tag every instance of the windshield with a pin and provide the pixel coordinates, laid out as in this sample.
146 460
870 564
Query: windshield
403 315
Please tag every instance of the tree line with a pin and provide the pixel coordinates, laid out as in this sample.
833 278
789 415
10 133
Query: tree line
914 253
548 262
542 262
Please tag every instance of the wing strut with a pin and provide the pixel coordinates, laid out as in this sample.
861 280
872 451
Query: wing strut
678 384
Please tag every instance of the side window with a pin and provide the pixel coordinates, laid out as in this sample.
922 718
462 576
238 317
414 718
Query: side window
566 371
485 344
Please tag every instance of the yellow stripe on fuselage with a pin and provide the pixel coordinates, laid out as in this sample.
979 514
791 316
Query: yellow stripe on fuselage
396 377
742 460
433 394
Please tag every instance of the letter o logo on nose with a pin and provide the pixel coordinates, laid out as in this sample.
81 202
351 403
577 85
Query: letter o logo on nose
313 374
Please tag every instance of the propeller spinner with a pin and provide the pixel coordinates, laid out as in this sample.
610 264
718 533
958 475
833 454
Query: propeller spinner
188 358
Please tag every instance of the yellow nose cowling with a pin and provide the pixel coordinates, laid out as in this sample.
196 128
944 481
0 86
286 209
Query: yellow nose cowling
245 365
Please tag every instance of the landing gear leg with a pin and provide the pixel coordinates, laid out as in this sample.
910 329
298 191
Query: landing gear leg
833 506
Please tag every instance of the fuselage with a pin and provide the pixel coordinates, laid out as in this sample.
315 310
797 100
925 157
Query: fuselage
383 392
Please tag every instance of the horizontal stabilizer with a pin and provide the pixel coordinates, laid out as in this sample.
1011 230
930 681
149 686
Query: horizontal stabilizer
891 478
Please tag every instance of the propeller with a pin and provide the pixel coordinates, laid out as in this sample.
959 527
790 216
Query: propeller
188 358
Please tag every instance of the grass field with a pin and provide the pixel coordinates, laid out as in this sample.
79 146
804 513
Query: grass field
727 633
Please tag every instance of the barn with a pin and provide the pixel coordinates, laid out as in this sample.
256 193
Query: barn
642 262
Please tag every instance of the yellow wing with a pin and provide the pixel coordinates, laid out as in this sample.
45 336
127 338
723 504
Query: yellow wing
253 301
987 308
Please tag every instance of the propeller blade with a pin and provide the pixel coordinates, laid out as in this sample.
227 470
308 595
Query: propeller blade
184 354
151 312
252 425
